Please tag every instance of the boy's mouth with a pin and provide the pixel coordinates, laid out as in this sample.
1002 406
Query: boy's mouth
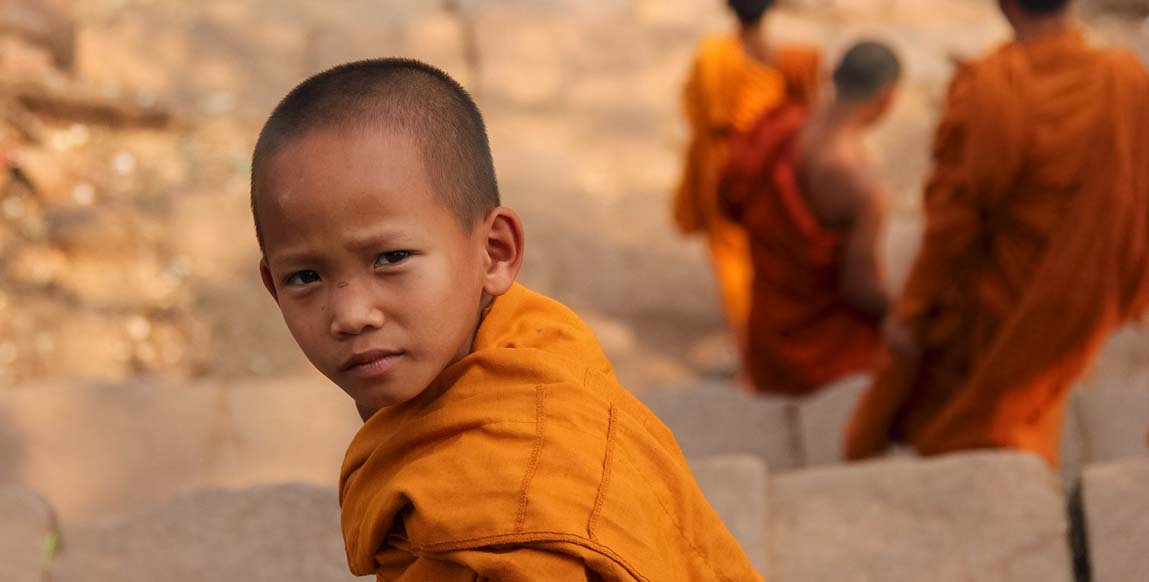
372 363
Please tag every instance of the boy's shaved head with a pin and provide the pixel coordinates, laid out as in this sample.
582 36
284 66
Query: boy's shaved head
394 95
866 69
749 12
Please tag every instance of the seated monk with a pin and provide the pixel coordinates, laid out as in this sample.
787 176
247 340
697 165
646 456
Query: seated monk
1036 245
497 443
734 79
805 190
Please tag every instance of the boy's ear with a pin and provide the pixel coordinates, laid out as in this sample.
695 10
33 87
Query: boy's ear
503 252
268 282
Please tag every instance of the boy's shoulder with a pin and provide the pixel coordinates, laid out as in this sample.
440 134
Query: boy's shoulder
530 439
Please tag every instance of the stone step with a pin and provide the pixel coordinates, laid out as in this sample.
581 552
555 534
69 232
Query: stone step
1114 417
715 419
97 451
736 486
1105 420
279 533
993 516
984 516
1116 497
25 522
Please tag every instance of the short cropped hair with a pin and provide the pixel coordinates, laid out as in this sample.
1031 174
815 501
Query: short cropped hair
400 95
749 12
1043 6
866 69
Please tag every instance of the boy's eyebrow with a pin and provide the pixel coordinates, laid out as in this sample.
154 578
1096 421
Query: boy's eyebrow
367 239
293 257
356 241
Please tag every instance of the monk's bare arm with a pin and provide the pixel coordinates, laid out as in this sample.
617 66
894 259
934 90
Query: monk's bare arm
862 276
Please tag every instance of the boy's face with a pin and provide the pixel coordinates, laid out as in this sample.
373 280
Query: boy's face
379 282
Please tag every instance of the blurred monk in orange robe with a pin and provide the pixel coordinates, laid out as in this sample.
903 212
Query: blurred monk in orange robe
803 186
1036 245
733 81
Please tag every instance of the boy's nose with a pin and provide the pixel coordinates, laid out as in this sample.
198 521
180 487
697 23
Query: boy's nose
354 311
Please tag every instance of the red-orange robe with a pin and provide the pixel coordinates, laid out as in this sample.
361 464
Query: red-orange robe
727 90
526 461
803 334
1036 248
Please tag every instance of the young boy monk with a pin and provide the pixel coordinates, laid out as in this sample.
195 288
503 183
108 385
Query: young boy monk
497 443
734 79
803 186
1036 245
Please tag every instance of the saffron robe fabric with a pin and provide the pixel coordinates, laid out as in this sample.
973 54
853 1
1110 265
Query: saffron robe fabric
1036 247
526 461
725 93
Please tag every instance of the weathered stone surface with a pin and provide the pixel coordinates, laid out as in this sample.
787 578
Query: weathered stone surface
1114 415
715 419
1072 442
987 517
44 22
275 533
24 522
1117 518
100 451
737 486
277 430
823 419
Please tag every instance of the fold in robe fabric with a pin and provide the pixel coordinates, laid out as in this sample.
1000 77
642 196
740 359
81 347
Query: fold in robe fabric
526 461
802 334
1036 247
726 92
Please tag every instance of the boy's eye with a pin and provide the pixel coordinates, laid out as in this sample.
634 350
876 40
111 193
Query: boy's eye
391 258
300 278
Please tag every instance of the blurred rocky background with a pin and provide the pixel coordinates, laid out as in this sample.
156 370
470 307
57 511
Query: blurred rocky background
140 358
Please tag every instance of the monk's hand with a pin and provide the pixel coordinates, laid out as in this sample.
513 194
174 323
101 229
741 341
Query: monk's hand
900 338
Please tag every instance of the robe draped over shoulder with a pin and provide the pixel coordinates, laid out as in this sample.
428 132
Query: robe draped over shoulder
526 461
1036 247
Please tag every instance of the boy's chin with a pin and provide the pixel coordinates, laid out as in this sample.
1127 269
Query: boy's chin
372 399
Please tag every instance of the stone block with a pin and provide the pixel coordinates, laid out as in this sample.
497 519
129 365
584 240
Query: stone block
715 419
278 533
984 516
46 23
102 451
1116 497
26 520
736 486
823 419
282 430
1114 415
1073 441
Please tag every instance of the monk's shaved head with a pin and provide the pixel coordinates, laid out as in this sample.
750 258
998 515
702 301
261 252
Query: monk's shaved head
866 69
749 12
392 95
1040 7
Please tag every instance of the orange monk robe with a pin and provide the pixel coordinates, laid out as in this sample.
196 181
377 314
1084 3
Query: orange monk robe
728 90
803 334
526 461
1036 248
